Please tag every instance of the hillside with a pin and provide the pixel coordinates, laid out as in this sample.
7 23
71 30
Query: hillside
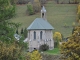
57 14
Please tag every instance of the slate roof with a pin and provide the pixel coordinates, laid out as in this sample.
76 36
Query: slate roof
39 24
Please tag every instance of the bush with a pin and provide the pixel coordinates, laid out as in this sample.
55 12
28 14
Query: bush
36 5
10 51
22 31
44 47
30 9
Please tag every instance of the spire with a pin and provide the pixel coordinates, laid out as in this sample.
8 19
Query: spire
43 13
43 9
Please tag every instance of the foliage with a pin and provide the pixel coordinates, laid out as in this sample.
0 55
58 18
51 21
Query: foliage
21 43
44 47
22 1
42 2
57 36
25 33
78 12
9 51
30 9
7 11
70 49
17 32
13 1
22 31
35 55
36 5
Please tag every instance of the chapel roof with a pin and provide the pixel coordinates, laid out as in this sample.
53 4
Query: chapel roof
39 24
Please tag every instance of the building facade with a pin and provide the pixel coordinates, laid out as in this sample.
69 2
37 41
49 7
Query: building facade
40 32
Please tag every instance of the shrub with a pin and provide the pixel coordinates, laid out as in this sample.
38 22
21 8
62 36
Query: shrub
10 51
25 33
30 9
36 5
44 47
22 31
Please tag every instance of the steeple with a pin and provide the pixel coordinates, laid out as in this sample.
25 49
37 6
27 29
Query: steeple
43 13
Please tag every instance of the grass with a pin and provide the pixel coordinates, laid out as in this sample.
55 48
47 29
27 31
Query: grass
55 51
57 16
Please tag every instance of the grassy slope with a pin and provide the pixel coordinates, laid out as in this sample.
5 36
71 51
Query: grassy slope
57 15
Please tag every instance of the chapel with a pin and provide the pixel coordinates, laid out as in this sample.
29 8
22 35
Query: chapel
40 32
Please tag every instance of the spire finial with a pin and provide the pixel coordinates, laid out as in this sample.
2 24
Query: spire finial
43 13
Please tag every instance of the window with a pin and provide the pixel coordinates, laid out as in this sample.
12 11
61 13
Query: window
42 14
41 35
34 35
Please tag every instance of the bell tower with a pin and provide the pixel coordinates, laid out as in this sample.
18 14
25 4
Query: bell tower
43 13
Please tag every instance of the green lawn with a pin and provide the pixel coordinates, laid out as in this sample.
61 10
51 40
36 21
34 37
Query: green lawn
57 15
55 51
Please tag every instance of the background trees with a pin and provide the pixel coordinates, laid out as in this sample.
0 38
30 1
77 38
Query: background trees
30 9
36 5
70 49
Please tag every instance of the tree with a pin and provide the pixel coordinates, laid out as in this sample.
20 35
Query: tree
36 5
70 49
7 11
57 37
13 1
30 9
25 33
42 2
78 12
22 31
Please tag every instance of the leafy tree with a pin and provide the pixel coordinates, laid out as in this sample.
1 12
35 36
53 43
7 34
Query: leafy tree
7 11
30 9
22 31
25 33
78 12
13 1
36 5
42 2
70 49
17 32
57 37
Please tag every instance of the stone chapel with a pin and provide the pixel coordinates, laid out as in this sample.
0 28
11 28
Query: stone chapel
40 32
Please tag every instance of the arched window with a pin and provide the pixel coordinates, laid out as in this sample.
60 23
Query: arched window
41 35
34 35
42 15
